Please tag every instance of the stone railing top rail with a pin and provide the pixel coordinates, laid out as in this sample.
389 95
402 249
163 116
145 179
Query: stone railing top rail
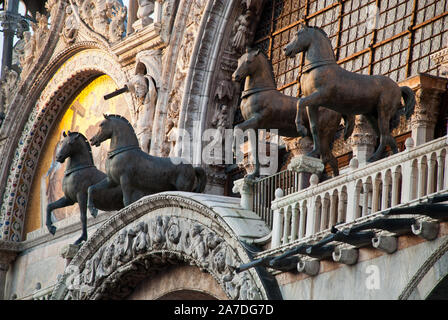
324 233
389 162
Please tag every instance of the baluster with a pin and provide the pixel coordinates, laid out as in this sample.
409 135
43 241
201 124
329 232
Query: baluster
334 208
287 225
295 222
440 173
303 220
376 194
396 180
324 214
431 188
277 223
422 177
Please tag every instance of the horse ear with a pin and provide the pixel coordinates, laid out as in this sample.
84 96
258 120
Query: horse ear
64 134
105 116
68 132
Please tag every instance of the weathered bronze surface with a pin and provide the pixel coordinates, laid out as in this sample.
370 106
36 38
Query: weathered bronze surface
325 83
80 174
264 107
137 172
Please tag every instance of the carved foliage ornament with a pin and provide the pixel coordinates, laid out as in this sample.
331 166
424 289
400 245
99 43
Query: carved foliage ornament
146 247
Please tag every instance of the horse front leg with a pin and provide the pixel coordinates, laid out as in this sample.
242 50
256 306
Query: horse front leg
126 188
313 116
61 203
301 130
82 203
251 123
106 183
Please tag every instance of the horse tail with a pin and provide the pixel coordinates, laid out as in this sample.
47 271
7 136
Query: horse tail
409 101
201 178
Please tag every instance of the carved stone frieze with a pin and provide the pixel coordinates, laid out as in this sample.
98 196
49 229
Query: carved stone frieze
135 250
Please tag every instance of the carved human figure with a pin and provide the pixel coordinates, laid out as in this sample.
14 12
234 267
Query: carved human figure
142 241
71 25
124 245
144 89
29 50
174 232
158 239
198 245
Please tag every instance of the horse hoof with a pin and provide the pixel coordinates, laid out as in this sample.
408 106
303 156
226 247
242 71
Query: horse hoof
93 211
252 176
313 154
51 229
79 241
301 130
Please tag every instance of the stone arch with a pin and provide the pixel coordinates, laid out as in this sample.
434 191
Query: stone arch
170 228
67 74
431 273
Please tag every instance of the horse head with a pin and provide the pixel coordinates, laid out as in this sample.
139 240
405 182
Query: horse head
67 146
299 43
246 65
104 133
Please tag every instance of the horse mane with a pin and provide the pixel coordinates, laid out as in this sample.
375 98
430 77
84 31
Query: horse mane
320 30
118 117
271 69
85 141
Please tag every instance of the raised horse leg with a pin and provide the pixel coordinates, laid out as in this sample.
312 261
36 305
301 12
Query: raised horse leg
106 183
61 203
82 203
127 190
252 123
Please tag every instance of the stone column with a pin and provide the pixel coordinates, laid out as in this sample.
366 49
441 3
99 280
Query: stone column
362 140
428 95
424 118
6 258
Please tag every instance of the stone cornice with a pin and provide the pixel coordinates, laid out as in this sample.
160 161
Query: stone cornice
426 81
145 39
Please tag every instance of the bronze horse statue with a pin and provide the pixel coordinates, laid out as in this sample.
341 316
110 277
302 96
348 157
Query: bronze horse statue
138 173
326 84
264 107
80 174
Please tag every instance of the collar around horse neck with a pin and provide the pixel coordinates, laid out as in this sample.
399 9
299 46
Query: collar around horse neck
77 168
113 153
249 92
316 64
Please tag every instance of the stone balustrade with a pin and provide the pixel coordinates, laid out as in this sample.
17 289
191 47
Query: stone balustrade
397 180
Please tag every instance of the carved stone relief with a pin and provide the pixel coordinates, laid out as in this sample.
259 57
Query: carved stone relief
146 246
184 55
33 42
105 17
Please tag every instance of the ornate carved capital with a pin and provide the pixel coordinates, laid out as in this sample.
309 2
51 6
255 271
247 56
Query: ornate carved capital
306 164
427 107
363 134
